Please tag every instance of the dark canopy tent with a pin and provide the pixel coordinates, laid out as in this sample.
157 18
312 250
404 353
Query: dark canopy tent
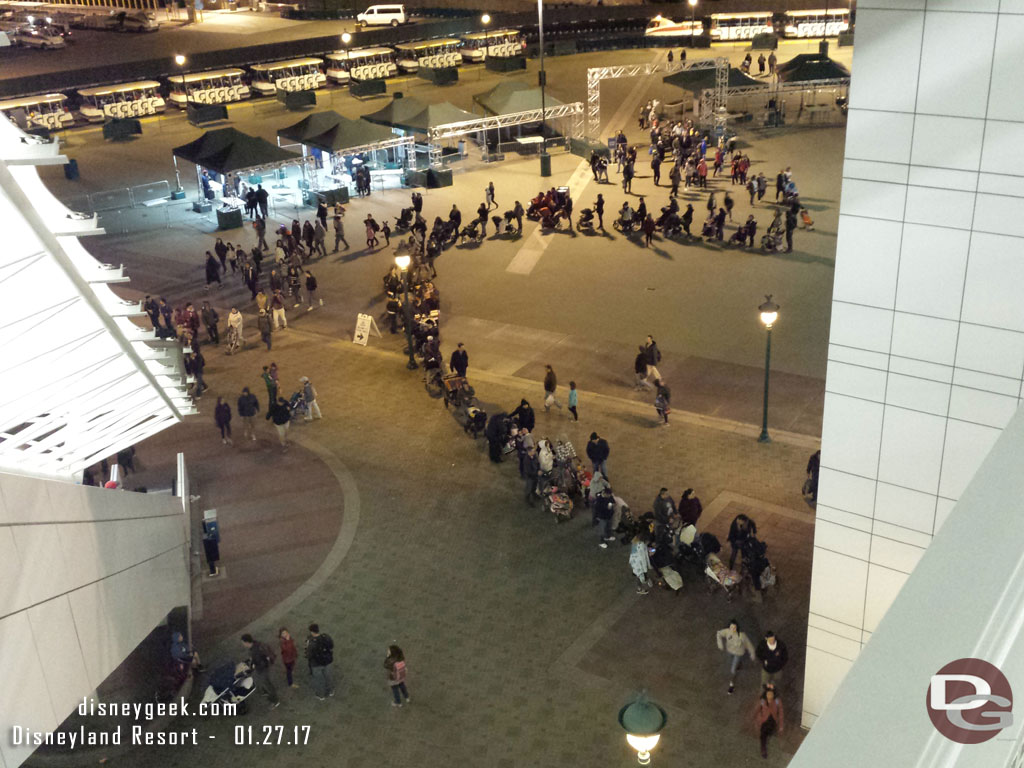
227 150
811 66
399 110
509 97
699 80
403 114
349 133
309 126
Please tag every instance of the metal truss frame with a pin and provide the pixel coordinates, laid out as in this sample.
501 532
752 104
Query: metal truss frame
596 74
507 120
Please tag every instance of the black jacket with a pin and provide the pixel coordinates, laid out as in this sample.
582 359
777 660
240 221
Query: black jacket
604 506
640 364
772 661
597 450
248 405
279 413
525 416
459 361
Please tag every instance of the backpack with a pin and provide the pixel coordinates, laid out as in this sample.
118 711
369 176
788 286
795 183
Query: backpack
322 652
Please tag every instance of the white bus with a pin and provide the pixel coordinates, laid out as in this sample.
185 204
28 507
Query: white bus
294 75
816 23
361 64
47 111
740 26
659 26
125 100
501 42
218 87
434 54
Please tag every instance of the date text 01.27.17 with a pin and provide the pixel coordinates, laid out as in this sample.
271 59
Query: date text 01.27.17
272 735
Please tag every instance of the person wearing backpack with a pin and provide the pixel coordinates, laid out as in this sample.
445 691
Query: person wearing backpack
261 658
653 358
320 653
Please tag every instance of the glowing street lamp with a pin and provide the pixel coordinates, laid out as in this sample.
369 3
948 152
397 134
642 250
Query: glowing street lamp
403 264
642 720
693 4
179 59
769 314
346 38
485 19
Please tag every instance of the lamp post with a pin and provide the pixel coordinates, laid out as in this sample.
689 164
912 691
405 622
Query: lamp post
545 160
693 5
179 60
403 264
769 314
642 720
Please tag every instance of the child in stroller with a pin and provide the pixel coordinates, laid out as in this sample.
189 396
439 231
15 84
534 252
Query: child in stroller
476 421
471 231
708 230
739 236
230 684
297 404
626 223
404 221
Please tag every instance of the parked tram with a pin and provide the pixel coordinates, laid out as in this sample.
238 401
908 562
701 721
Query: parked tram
125 100
47 111
659 26
294 75
501 42
434 54
726 27
361 64
221 86
815 23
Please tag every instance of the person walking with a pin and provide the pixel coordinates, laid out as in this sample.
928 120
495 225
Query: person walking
320 653
662 401
221 250
222 417
598 452
481 217
656 166
653 358
277 308
720 224
735 643
371 232
262 200
210 317
212 270
573 401
248 407
289 655
259 226
264 326
197 364
687 219
394 663
281 415
702 173
459 361
728 202
312 292
489 195
339 233
261 658
773 655
772 60
760 64
640 370
768 716
675 176
627 177
599 210
550 385
813 469
751 229
319 235
309 394
321 213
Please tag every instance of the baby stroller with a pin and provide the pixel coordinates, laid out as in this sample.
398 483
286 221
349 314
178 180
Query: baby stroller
708 230
297 405
230 684
472 231
404 221
557 502
549 219
739 236
772 241
625 224
586 220
806 221
457 391
476 421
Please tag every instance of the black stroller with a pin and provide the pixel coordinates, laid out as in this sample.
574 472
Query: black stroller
230 684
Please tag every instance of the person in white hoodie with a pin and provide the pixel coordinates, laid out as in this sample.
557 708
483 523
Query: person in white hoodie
735 643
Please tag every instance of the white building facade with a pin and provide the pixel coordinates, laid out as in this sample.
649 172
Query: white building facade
926 350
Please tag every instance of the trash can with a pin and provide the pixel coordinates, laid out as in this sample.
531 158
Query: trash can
229 219
545 164
71 170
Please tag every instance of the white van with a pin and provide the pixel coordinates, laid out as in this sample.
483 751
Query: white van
380 15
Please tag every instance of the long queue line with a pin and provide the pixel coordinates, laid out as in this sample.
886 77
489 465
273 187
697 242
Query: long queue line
224 86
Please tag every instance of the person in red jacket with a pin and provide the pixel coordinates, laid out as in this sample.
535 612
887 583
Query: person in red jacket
768 716
289 654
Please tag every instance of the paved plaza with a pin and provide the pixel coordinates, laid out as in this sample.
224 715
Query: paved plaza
387 523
